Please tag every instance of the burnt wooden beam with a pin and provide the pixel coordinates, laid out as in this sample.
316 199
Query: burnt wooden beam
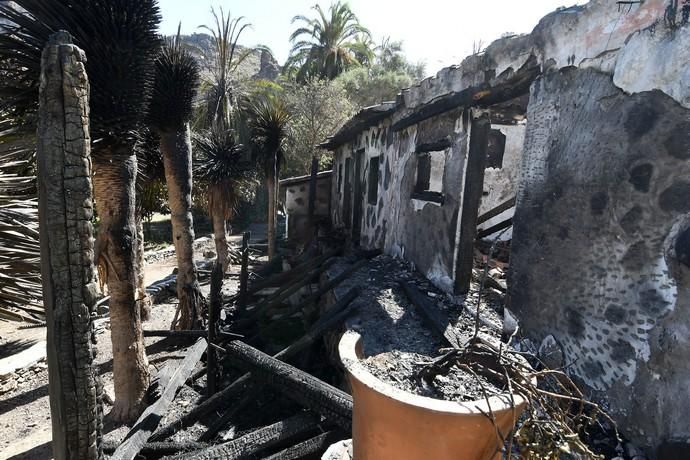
506 205
307 449
158 449
250 396
333 317
252 443
148 421
471 198
431 315
495 228
244 273
436 146
301 387
483 95
215 305
283 277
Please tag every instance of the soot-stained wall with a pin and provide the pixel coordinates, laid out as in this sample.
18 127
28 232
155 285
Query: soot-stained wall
600 243
421 231
294 194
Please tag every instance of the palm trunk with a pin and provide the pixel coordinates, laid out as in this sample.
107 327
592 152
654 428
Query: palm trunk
217 210
115 170
271 188
176 149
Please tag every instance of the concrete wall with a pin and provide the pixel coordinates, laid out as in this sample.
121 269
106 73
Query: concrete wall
294 194
601 231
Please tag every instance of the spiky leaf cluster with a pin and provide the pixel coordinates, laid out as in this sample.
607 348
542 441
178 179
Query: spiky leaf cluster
269 119
220 158
150 160
120 42
175 85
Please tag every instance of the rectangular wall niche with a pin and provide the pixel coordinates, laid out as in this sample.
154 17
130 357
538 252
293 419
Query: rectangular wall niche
430 170
373 181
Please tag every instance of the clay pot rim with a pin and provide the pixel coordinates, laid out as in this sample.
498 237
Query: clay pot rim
350 351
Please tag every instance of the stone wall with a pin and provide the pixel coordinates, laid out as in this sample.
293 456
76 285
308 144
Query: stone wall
294 195
600 245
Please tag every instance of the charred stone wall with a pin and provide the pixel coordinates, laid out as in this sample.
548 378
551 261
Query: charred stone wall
601 241
294 194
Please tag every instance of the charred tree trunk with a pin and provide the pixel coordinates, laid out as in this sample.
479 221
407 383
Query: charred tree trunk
219 215
69 277
176 149
271 189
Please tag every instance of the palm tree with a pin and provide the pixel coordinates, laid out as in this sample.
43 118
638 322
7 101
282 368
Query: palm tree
324 47
222 165
269 118
220 93
119 37
177 77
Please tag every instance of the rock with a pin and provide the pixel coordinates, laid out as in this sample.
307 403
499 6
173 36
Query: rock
550 353
9 383
210 254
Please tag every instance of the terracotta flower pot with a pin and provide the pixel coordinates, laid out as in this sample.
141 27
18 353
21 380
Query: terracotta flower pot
389 423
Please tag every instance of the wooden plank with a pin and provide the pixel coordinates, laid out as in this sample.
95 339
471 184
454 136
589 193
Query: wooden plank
301 387
495 228
483 95
471 197
148 421
244 273
170 333
506 205
307 449
252 443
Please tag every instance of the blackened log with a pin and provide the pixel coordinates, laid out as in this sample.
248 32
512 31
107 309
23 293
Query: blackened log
303 388
244 273
251 395
333 317
307 449
148 421
252 443
159 448
215 305
432 317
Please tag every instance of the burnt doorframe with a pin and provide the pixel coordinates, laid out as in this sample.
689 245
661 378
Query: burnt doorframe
480 127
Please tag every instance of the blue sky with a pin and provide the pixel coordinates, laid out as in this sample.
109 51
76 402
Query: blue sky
437 32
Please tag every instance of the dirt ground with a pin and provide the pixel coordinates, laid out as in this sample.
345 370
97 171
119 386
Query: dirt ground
25 425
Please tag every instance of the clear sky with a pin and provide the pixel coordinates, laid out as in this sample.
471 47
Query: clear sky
437 32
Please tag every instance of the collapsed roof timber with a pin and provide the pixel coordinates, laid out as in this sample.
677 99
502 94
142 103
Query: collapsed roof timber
577 136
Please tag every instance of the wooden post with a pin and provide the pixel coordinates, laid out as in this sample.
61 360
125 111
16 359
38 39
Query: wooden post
215 305
471 198
67 249
312 187
244 273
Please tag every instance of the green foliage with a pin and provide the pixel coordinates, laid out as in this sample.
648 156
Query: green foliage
119 37
389 73
319 108
219 89
175 84
366 87
326 46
